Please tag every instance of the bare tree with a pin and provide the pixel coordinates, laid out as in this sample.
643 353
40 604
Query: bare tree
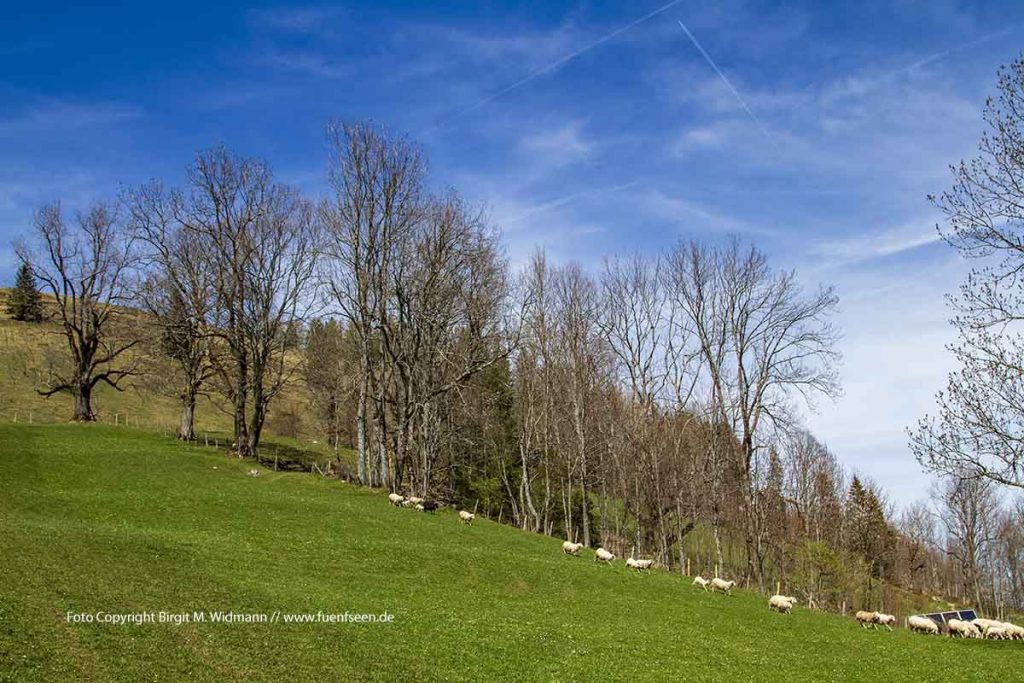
87 268
965 508
764 345
979 425
178 292
261 242
377 181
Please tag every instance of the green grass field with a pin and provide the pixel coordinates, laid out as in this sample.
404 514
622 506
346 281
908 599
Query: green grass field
104 519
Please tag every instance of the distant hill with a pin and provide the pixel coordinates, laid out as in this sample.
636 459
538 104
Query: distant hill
148 401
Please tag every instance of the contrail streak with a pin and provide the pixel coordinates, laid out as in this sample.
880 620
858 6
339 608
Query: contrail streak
561 62
725 80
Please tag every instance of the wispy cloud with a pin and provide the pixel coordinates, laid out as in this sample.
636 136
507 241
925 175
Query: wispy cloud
559 63
308 20
561 145
60 115
531 211
307 62
872 245
728 84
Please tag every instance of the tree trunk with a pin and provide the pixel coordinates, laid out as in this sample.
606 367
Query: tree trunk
364 364
82 393
187 427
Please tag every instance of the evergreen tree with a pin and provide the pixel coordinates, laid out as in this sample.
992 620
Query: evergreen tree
24 302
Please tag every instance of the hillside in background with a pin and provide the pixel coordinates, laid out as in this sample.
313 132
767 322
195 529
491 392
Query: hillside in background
95 518
149 402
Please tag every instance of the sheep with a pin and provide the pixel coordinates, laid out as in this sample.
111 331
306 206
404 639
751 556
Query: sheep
430 505
408 503
781 603
570 548
722 585
414 500
420 508
639 565
253 473
602 555
700 581
995 633
923 625
985 624
466 517
964 629
395 499
886 620
1013 632
865 619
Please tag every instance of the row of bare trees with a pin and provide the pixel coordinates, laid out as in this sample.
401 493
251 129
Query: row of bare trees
220 268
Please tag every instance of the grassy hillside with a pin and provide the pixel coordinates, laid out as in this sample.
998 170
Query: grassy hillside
149 401
103 519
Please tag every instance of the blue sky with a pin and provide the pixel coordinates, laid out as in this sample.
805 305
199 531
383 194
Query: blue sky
591 128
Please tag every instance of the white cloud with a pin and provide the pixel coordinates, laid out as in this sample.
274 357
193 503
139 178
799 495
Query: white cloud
872 245
559 146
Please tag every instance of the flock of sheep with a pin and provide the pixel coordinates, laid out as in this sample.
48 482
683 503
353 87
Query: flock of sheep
426 505
989 629
976 628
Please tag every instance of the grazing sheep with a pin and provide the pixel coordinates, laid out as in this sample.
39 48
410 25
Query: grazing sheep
395 499
466 517
886 620
972 630
923 625
570 548
1013 632
407 503
985 624
639 565
420 508
430 505
722 585
995 633
253 473
700 581
865 619
414 500
781 603
602 555
957 628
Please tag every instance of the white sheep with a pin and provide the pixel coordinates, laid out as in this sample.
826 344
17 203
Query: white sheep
995 633
865 619
985 624
1013 632
602 555
957 628
414 500
639 565
972 630
395 499
922 625
886 620
420 508
722 585
407 503
781 603
700 581
466 517
570 548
